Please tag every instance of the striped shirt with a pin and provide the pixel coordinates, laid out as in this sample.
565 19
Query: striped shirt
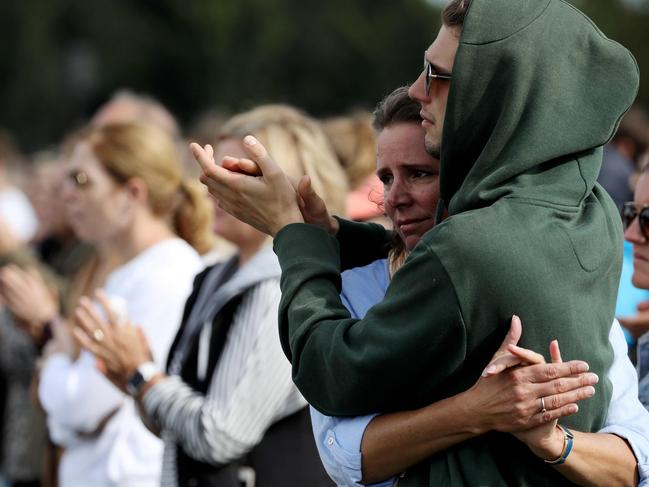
251 388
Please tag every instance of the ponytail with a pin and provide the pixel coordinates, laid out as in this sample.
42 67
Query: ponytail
192 218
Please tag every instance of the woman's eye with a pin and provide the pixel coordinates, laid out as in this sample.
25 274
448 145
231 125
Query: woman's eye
386 179
422 174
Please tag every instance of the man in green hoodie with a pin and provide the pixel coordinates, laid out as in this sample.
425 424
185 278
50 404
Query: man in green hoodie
518 98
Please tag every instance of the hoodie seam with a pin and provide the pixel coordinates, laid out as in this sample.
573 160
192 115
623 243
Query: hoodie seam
542 203
541 14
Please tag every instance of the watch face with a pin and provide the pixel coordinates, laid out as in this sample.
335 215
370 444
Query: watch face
141 376
135 383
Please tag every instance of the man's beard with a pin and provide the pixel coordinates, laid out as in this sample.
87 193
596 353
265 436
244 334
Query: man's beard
432 148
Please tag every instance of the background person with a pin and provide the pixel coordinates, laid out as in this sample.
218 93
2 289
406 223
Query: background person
636 222
227 400
125 195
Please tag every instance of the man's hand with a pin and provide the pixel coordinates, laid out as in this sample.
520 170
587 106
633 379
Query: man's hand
267 202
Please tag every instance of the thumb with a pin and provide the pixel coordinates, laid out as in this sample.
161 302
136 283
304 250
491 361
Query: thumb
514 333
304 188
259 154
503 359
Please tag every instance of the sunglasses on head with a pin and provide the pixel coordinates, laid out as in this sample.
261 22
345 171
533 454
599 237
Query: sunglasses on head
630 212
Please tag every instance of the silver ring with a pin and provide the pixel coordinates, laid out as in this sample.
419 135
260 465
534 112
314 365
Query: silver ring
98 335
543 405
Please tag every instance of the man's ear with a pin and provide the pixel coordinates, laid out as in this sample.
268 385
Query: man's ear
137 188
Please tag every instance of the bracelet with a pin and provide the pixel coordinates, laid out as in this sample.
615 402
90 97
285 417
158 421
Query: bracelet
568 438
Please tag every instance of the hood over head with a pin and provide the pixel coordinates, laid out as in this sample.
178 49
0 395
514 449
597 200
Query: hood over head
537 89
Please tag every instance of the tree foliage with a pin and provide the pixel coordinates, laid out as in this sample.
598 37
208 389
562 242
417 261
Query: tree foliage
64 57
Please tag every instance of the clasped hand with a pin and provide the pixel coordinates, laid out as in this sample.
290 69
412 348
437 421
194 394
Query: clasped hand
258 192
507 397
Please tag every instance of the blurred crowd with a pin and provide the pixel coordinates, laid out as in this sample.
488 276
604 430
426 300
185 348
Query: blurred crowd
111 230
117 206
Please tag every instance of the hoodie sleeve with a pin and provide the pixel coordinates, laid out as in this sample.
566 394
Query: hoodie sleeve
361 243
346 366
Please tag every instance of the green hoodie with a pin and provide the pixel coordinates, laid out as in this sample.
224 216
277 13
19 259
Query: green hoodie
537 89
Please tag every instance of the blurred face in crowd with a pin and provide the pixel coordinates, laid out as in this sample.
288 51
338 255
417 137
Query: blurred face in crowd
635 235
441 57
225 225
98 208
44 191
410 178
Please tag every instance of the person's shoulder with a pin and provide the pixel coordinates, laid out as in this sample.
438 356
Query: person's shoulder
484 238
377 271
467 230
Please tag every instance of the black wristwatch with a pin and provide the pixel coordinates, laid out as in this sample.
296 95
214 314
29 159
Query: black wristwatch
141 376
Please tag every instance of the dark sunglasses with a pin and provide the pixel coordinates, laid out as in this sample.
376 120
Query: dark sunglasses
431 75
79 178
629 212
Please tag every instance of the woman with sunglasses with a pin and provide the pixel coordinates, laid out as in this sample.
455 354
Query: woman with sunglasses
126 196
635 215
373 448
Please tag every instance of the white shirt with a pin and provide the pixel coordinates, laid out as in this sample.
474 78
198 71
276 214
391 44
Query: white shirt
18 214
154 286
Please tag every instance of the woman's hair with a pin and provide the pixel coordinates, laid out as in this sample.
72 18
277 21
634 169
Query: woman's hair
298 145
135 150
397 107
354 143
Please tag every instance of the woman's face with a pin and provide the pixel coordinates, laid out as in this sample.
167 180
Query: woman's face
634 235
98 209
410 180
240 234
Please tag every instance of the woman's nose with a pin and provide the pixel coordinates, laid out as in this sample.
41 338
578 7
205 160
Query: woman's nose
398 195
633 234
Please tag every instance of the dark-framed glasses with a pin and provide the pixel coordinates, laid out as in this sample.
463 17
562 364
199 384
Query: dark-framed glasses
79 178
630 212
431 75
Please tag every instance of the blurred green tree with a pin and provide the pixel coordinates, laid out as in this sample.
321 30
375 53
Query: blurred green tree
62 58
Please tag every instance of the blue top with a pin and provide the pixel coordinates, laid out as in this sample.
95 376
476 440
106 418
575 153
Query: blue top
339 439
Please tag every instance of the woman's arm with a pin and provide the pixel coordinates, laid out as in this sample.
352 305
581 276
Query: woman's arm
596 459
394 442
590 459
610 456
504 402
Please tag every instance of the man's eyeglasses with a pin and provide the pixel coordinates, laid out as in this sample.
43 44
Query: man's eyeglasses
431 75
630 212
79 178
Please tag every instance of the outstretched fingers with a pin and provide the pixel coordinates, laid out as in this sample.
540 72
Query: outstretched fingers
204 156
